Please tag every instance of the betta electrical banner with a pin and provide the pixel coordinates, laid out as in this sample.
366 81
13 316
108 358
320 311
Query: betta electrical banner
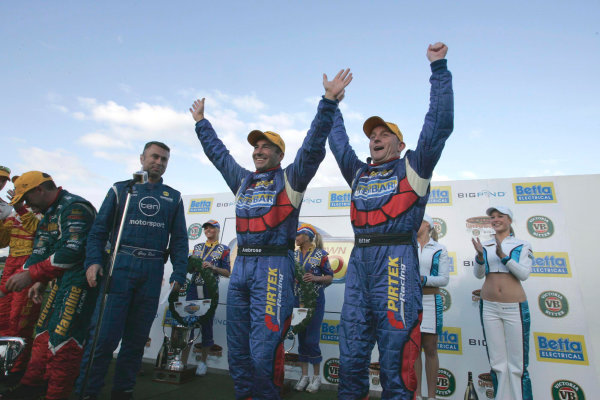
548 212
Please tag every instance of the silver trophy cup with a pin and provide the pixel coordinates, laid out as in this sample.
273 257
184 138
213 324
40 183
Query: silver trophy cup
10 349
179 342
180 334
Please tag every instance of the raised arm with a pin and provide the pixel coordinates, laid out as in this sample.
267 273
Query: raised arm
312 152
439 120
344 154
215 150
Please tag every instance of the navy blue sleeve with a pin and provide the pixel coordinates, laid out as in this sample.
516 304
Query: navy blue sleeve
179 245
218 154
344 154
312 152
439 121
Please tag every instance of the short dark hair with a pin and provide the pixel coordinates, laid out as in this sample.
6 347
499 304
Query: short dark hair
159 144
48 185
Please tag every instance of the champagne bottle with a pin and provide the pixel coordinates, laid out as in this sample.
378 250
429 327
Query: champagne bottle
470 393
163 354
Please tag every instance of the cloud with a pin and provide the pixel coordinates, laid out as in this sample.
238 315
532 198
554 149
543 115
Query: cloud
468 175
15 139
62 165
102 140
351 115
249 104
127 127
60 108
439 177
245 103
125 88
278 122
545 172
66 169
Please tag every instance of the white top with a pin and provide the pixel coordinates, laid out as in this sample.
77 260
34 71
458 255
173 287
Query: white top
518 260
434 264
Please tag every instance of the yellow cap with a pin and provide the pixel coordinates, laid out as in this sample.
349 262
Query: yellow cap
375 121
272 137
26 182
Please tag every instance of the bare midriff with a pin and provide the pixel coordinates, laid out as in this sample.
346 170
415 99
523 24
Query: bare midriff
502 287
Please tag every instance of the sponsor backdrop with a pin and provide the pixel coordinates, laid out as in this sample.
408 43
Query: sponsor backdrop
552 213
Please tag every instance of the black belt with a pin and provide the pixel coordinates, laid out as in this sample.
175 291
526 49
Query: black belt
141 252
383 239
258 251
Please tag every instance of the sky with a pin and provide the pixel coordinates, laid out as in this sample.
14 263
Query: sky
86 84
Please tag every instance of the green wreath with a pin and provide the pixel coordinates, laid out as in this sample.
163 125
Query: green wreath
212 288
308 293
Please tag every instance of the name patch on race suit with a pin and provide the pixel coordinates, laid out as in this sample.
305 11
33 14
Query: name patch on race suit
375 188
256 198
273 303
396 292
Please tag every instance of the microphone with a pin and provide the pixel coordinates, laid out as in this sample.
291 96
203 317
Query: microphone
138 177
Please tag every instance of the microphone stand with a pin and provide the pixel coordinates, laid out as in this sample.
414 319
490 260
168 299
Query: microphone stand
138 177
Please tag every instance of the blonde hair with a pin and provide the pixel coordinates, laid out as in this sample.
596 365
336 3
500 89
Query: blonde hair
433 233
318 240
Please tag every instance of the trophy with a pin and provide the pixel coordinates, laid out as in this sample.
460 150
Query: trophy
186 315
189 311
10 349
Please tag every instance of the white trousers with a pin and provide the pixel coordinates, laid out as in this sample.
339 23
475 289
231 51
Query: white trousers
506 331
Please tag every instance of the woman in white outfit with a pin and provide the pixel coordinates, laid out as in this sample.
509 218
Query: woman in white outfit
434 264
505 261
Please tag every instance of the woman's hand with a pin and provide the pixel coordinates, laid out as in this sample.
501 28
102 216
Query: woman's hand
499 251
478 248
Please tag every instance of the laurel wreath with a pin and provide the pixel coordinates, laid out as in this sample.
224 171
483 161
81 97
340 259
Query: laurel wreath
212 292
308 293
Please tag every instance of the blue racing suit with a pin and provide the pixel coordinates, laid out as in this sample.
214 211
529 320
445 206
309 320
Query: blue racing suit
317 263
218 255
154 228
382 299
260 297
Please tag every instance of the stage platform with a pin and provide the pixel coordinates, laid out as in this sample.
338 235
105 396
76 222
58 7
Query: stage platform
215 385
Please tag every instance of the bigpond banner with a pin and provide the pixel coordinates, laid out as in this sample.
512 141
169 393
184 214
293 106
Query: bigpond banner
555 214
